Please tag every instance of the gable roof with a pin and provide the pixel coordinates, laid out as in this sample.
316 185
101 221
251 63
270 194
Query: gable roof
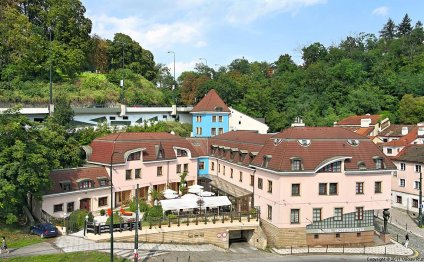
324 144
356 120
404 140
411 153
235 146
119 145
74 175
211 102
395 130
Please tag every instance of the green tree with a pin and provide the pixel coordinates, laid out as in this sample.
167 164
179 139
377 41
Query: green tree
404 28
389 30
411 109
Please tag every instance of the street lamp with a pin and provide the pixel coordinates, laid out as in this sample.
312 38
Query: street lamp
136 226
111 205
169 52
206 61
50 72
420 207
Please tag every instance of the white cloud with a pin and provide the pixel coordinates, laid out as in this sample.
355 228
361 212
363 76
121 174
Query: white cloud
381 11
242 11
150 35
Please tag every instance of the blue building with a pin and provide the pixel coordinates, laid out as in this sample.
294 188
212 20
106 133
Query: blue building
210 117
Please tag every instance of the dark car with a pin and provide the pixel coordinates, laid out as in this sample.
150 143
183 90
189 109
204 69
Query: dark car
44 230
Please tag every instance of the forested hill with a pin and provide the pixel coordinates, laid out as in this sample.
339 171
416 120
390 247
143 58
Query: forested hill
364 73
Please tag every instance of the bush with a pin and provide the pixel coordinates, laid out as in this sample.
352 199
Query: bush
155 211
90 217
116 219
77 218
144 207
102 212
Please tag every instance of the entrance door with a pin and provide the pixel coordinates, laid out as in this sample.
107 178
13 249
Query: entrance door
85 204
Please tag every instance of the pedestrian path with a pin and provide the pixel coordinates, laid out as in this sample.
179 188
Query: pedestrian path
76 244
404 220
395 249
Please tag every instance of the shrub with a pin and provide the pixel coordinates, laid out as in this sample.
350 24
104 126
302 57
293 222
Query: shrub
144 207
102 212
116 219
77 218
155 211
90 217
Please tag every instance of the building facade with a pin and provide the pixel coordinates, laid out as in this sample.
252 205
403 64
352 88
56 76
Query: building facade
312 185
406 182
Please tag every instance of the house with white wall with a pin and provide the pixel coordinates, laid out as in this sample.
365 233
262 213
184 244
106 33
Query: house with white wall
406 182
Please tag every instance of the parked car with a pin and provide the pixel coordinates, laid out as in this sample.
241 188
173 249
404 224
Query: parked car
44 230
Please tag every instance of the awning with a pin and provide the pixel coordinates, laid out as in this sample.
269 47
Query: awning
191 202
229 188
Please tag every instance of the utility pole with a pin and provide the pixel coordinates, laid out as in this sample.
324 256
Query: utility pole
50 73
420 201
136 227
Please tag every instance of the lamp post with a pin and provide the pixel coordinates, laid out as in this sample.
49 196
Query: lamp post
123 73
111 206
136 227
50 73
420 210
169 52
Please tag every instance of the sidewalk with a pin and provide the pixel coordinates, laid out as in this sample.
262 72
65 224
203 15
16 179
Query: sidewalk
402 220
74 244
394 249
165 228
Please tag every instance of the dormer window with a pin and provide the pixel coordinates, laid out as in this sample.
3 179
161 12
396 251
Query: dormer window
362 166
181 153
134 156
296 164
214 149
304 142
218 109
65 185
161 154
85 183
103 181
333 167
233 153
242 155
379 164
353 142
265 163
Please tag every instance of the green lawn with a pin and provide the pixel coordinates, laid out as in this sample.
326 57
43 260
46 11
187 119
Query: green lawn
71 257
18 236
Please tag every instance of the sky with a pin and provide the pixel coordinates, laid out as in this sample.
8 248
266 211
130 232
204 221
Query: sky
217 32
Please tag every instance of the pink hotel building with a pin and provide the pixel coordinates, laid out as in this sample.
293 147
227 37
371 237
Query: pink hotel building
313 185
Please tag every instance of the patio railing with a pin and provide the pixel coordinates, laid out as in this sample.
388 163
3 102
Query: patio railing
176 220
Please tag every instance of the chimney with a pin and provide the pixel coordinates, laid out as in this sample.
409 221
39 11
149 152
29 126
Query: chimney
365 122
404 130
421 131
298 122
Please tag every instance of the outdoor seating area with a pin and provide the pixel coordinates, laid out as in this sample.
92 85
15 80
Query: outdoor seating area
190 203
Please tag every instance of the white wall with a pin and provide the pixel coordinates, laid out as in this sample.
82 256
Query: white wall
240 121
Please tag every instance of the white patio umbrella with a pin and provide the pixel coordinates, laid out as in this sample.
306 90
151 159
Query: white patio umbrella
169 191
170 196
195 189
206 194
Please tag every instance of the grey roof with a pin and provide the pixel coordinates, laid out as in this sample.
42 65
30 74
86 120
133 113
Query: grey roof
228 187
97 110
412 153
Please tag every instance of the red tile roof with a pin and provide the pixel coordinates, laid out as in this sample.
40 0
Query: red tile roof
356 120
73 174
411 153
200 144
318 133
395 130
239 144
211 103
325 143
118 144
364 131
404 140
